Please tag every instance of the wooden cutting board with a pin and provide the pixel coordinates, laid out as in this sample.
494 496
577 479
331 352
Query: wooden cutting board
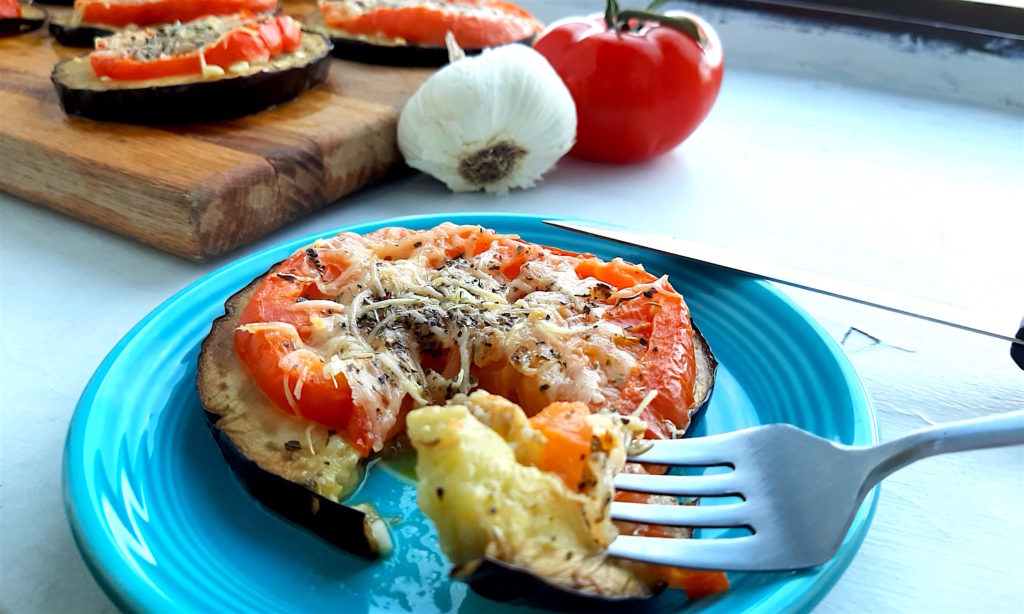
200 190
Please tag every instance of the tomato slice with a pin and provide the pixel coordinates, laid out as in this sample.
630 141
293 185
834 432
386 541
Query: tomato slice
10 9
474 23
249 42
568 434
150 12
653 314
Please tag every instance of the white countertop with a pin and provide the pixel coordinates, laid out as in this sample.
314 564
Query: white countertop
902 192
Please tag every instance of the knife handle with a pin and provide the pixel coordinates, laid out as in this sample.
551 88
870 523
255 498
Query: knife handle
1016 349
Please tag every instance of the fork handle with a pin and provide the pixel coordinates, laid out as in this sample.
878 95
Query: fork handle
1005 429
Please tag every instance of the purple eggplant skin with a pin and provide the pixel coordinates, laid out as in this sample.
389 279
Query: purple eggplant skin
709 373
338 524
57 2
32 17
77 36
515 585
199 101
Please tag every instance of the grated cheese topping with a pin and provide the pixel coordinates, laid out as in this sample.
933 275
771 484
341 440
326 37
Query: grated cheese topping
417 327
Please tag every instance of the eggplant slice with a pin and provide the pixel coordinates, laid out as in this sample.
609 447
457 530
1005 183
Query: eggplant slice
269 462
81 35
192 99
32 17
358 50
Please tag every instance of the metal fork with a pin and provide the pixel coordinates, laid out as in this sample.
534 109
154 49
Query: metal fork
799 492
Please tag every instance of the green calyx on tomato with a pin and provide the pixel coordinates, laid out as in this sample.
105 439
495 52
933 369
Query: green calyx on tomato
629 19
642 82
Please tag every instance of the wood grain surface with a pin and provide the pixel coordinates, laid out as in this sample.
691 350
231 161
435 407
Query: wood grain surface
199 190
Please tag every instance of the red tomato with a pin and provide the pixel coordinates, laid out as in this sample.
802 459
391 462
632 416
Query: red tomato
254 41
148 12
640 86
10 9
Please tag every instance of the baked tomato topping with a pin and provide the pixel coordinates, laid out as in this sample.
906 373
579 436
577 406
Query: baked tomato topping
150 12
474 23
356 330
10 9
186 49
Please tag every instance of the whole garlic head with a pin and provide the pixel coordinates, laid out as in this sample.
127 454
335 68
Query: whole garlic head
496 121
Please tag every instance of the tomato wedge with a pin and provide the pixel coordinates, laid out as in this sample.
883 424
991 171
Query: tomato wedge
150 12
10 9
225 41
474 23
568 435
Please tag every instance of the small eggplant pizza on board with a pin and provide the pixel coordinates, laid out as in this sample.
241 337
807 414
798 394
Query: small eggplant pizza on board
412 32
204 70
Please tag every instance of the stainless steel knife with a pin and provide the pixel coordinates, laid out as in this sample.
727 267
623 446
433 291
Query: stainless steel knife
840 288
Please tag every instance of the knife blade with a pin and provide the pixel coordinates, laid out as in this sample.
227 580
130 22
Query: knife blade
840 288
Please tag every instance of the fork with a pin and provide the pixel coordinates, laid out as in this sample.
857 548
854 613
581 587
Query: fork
799 492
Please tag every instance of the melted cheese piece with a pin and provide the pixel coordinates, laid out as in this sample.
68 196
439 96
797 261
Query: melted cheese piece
390 316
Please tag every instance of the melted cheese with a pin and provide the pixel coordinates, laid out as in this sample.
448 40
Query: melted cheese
389 316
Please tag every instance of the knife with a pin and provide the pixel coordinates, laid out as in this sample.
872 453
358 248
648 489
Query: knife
839 288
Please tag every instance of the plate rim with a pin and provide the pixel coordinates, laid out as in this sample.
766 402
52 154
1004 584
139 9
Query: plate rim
126 595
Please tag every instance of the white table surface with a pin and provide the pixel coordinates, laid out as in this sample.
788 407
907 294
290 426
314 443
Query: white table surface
902 192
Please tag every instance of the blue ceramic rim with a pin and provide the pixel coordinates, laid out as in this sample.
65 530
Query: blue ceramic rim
797 595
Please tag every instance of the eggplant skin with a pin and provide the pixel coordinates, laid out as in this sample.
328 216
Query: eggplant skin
194 101
707 370
396 55
343 526
32 17
359 531
76 36
508 583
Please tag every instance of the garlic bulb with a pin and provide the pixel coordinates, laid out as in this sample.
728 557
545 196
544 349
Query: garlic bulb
496 121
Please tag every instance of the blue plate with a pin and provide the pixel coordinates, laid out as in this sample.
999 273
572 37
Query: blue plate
163 524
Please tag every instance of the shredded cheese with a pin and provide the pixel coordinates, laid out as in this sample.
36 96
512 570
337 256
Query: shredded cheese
389 317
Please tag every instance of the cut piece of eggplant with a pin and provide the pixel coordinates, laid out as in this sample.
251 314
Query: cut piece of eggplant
268 450
190 99
76 35
57 2
32 17
518 533
381 52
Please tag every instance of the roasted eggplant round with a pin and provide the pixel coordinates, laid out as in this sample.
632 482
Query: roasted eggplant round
32 17
190 99
317 366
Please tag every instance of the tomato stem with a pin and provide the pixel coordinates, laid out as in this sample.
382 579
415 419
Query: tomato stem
618 19
611 13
